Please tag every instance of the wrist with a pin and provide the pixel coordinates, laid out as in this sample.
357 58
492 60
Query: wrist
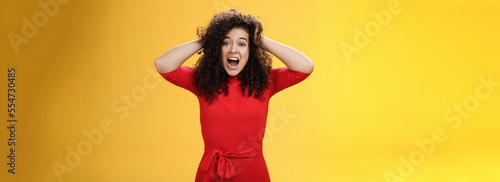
262 42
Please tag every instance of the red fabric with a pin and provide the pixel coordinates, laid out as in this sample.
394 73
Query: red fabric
233 127
217 161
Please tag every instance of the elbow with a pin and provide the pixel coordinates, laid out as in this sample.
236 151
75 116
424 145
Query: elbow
309 67
161 65
157 64
306 67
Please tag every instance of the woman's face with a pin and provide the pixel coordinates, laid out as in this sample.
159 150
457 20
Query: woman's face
235 51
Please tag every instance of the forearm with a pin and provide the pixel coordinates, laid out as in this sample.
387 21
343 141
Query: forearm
292 58
173 58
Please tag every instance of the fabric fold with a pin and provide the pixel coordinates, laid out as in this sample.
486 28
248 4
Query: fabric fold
220 163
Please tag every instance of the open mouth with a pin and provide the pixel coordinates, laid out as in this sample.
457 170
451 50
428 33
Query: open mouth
233 62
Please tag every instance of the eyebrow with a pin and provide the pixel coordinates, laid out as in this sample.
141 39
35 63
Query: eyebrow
238 38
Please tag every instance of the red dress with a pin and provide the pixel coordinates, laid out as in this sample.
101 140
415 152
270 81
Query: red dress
233 127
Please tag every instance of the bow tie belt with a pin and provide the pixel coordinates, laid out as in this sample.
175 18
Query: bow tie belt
218 161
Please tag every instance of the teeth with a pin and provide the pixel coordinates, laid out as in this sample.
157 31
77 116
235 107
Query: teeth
234 59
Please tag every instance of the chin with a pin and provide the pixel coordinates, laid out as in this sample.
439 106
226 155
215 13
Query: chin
233 72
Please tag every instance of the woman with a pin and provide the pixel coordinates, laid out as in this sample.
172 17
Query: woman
233 81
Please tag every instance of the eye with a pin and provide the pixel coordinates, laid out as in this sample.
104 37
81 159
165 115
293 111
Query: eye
225 43
242 44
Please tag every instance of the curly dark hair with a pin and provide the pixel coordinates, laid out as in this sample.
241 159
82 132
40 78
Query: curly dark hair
210 77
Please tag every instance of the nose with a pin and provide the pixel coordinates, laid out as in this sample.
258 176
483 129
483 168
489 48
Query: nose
233 49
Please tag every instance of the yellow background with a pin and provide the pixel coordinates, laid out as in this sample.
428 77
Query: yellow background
349 121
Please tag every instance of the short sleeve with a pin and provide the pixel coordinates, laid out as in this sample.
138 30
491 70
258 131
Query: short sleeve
283 77
182 77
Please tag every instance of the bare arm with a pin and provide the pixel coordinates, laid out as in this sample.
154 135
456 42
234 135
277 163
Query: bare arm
173 58
292 58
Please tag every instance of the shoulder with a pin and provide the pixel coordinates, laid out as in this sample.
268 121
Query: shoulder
286 71
276 71
181 69
186 68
